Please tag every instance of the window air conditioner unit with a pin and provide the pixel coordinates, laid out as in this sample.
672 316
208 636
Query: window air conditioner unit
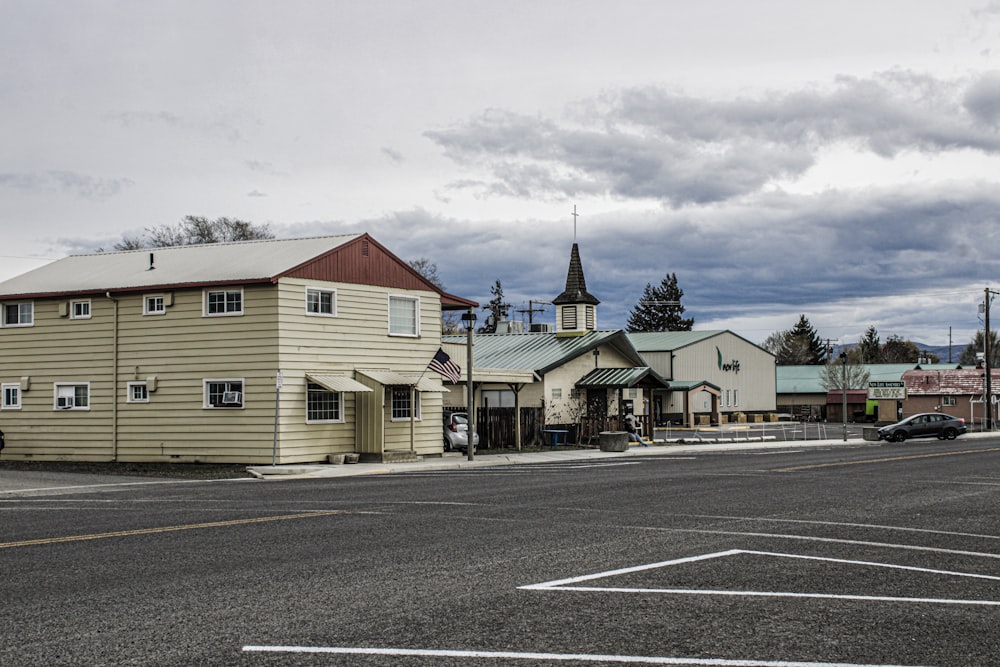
64 402
231 398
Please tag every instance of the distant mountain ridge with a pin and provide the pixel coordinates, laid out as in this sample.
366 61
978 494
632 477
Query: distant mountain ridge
941 351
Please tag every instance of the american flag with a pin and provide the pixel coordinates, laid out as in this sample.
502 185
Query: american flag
442 363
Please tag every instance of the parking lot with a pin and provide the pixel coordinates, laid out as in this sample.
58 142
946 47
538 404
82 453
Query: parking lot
860 555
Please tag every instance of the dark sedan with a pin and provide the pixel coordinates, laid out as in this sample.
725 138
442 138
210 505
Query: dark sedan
924 425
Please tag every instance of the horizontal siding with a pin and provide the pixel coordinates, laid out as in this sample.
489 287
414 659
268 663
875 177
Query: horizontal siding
357 338
182 348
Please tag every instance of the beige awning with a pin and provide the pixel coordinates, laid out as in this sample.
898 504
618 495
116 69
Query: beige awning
336 382
391 378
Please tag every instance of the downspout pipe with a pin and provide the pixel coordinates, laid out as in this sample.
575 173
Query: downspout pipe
114 380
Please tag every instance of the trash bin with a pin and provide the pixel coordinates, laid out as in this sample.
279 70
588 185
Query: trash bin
613 441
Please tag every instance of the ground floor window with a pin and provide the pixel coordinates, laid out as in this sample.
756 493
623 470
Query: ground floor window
401 403
322 405
72 396
224 393
11 397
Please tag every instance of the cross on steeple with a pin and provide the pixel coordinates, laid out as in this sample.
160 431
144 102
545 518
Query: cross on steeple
575 216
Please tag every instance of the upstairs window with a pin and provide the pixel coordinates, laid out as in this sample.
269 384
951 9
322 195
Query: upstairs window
224 302
138 392
154 304
321 301
79 310
18 314
404 316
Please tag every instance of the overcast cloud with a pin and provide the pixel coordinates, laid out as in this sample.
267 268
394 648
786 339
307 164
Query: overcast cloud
838 160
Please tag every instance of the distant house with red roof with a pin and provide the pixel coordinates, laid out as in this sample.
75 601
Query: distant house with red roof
957 391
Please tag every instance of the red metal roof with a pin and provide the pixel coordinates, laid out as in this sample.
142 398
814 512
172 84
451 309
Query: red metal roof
959 381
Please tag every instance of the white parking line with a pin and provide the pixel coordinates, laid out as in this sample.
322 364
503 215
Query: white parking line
571 583
554 657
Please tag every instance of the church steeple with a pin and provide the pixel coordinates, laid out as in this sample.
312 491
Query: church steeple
576 308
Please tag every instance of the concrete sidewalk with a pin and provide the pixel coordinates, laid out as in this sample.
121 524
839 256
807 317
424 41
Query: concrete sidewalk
455 460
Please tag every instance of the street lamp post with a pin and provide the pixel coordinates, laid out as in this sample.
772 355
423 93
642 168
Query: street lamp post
843 391
469 320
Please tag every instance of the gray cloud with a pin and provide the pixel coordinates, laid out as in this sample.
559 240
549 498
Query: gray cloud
82 185
652 143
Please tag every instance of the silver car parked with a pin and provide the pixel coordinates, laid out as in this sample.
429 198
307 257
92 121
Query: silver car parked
456 432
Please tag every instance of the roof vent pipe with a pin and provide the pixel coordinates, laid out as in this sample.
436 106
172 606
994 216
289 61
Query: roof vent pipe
151 267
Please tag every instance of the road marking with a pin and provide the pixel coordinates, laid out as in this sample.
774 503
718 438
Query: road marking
112 485
571 583
166 529
888 459
554 657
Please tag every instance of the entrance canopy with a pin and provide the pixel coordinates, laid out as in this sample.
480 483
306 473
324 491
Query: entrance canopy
623 378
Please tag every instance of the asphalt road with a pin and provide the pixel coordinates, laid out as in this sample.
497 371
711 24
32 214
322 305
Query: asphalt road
876 554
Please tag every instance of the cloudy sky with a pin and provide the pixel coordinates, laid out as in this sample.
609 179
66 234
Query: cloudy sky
835 159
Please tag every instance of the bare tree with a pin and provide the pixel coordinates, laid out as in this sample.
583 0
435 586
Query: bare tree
194 230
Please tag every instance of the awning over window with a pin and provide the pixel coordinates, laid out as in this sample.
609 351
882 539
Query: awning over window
336 382
393 378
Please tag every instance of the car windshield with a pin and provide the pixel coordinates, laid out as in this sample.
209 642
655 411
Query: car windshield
459 419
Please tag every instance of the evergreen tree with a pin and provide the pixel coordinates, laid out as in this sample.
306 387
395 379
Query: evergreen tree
660 308
497 307
801 346
869 349
976 345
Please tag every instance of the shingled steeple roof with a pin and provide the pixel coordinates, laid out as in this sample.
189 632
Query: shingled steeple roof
576 284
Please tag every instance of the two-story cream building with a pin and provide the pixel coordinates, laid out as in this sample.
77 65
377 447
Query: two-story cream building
255 352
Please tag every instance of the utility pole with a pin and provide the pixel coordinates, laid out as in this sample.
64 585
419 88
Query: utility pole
531 310
987 362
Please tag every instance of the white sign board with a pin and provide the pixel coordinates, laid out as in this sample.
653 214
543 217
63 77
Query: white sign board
887 391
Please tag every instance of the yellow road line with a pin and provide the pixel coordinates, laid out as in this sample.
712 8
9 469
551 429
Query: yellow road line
885 460
164 529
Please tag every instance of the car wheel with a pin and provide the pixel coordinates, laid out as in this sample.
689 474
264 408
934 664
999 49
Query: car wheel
900 436
950 434
447 445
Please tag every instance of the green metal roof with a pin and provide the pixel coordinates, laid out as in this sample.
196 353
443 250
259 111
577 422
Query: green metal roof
541 352
806 379
664 341
623 377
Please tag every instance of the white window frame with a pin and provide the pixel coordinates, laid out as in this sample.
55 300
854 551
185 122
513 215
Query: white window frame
393 324
556 393
206 298
948 401
206 401
391 391
10 389
162 310
314 390
59 391
84 309
320 291
31 314
736 398
130 396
